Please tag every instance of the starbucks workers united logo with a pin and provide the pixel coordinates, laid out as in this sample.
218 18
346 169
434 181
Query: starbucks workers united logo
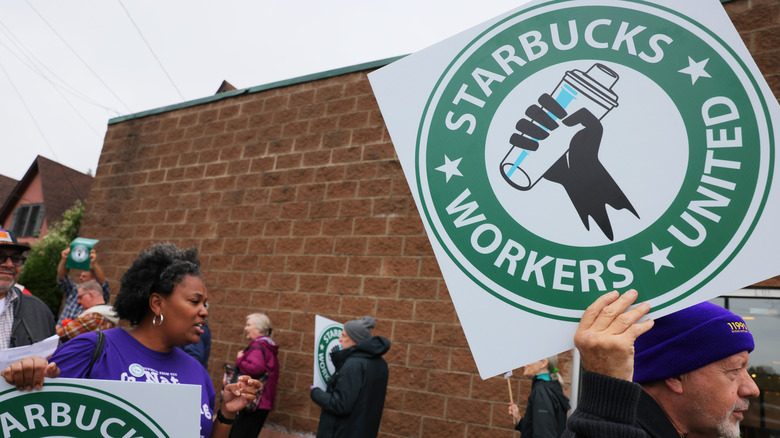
579 147
327 342
68 410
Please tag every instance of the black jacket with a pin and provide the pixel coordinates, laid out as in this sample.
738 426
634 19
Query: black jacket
355 397
545 415
33 321
614 408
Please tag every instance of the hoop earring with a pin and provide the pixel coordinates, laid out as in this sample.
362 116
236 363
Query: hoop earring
154 320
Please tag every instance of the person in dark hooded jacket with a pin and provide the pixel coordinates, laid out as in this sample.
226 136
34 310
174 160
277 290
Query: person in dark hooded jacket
355 397
545 414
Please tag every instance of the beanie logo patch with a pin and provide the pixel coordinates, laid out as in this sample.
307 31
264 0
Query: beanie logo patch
738 327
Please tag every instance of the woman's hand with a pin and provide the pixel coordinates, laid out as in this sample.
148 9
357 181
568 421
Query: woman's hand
237 395
27 374
514 411
239 354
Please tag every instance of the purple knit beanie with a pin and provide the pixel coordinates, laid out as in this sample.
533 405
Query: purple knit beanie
688 340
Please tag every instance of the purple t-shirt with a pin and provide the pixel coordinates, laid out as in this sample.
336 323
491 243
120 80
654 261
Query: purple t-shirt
126 359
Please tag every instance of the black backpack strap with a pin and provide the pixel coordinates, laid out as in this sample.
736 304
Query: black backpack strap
101 339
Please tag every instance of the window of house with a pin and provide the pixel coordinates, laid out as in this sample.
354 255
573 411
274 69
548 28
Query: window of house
27 220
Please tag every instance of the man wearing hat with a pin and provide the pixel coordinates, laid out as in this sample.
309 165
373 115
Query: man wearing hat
355 397
24 319
689 372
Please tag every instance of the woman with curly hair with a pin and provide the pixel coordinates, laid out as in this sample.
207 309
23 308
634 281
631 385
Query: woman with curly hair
163 297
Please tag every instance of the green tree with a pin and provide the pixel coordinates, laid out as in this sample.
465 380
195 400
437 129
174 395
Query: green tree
39 274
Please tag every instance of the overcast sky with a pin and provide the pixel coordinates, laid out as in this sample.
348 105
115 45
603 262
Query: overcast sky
67 67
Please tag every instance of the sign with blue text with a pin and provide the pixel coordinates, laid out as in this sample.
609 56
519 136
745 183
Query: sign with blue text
570 148
100 408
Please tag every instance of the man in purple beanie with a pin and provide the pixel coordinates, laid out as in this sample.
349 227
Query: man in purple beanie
689 371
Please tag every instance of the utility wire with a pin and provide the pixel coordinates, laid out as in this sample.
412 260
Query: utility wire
151 51
77 56
29 59
35 122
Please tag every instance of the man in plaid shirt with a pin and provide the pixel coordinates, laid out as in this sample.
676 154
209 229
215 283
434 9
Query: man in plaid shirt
71 307
96 316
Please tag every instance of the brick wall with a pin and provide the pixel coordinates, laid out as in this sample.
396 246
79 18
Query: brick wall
298 205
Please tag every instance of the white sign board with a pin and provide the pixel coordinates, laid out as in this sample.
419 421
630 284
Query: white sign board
78 407
570 148
326 339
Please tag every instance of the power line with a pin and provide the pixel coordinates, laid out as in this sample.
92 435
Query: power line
35 122
78 56
35 64
151 51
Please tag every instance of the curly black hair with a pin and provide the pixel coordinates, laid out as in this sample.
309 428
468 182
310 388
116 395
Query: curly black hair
157 269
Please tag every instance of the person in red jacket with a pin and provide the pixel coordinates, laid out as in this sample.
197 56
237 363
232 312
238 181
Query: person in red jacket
259 361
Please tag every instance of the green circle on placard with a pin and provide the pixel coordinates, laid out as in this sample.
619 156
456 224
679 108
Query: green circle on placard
717 204
72 411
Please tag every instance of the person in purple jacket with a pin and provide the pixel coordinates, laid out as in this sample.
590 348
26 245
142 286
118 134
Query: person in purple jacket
163 297
259 361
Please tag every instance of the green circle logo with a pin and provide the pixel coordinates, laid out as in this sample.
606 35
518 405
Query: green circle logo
326 343
72 411
575 148
80 253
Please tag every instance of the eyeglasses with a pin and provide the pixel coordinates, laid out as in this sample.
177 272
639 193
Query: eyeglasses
17 260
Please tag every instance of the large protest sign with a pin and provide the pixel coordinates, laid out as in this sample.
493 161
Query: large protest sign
570 148
326 339
77 407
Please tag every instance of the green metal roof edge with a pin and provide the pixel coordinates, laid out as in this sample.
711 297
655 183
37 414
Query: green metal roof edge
257 89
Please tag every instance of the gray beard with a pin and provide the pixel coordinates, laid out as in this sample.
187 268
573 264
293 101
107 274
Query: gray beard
4 290
725 427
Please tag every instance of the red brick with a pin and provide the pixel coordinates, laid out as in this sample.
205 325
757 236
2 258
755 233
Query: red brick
504 429
350 246
418 288
450 335
408 377
347 155
431 405
401 423
320 303
337 227
381 286
457 384
331 265
468 410
393 309
300 264
462 360
415 333
358 306
400 267
437 311
436 427
363 265
385 245
282 282
345 285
